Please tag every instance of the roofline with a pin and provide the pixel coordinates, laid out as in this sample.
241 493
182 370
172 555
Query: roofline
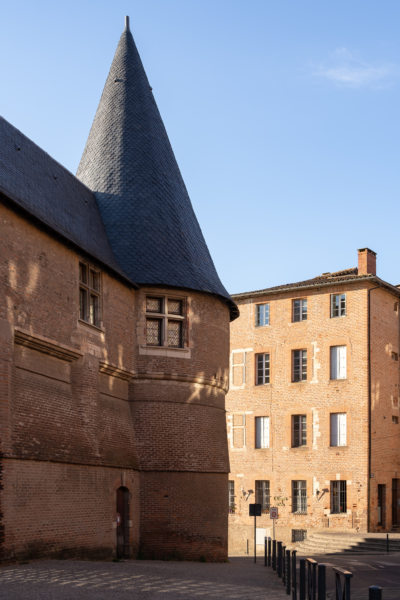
295 287
15 205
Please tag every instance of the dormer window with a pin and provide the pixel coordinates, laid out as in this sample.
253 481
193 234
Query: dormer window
89 294
165 321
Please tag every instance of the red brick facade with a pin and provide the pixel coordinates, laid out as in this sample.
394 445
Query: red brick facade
87 410
303 449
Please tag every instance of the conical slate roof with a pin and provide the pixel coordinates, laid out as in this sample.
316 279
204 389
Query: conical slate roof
129 164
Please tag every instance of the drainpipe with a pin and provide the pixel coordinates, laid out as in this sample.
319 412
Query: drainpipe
369 408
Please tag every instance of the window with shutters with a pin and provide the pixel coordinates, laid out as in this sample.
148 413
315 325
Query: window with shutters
165 321
338 305
338 496
299 310
262 432
89 294
299 496
338 362
299 365
262 369
262 315
299 431
238 439
262 494
338 429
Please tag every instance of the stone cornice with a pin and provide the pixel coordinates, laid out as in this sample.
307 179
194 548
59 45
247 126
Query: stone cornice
46 346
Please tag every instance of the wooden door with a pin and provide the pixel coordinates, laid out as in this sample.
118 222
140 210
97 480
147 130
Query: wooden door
123 523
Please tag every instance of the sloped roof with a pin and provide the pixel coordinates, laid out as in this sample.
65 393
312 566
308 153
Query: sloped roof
129 163
336 278
38 184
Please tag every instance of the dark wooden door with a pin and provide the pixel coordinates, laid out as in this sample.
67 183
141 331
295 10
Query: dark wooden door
381 504
395 503
123 522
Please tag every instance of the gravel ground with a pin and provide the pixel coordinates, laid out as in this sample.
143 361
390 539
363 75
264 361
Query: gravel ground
239 579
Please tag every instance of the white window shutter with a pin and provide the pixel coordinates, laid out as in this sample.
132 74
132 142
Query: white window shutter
342 429
334 362
342 362
334 430
266 432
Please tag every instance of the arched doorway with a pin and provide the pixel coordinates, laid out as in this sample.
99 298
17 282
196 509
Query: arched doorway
122 522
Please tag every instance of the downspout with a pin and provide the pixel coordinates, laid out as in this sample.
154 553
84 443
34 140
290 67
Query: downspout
369 408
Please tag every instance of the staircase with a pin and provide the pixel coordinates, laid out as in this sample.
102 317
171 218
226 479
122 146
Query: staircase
338 542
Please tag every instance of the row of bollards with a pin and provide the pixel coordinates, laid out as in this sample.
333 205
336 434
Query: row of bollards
311 581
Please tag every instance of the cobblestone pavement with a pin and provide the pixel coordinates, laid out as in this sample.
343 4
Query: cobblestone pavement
239 579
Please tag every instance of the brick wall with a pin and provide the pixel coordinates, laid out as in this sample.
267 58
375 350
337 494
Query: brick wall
317 462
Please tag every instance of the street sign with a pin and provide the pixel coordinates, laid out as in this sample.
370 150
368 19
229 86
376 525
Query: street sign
273 512
254 510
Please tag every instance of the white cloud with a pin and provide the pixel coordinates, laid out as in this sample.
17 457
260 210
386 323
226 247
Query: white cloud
345 70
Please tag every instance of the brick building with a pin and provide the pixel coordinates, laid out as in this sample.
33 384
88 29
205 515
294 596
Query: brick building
114 347
313 406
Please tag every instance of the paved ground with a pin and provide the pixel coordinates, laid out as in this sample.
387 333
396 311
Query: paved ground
240 579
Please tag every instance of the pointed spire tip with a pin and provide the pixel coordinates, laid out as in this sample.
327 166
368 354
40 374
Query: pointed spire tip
127 23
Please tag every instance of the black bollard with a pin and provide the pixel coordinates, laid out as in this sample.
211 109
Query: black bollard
279 566
321 582
283 565
294 576
265 552
274 555
375 593
387 542
288 578
269 551
302 579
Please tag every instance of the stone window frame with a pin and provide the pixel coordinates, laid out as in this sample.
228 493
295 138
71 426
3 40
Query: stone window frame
90 294
164 317
238 426
299 310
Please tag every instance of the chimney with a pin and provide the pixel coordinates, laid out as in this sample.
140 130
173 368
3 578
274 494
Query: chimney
366 262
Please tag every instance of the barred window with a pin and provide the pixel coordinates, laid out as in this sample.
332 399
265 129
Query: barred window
165 321
263 494
299 496
338 496
89 294
299 365
299 430
299 310
262 366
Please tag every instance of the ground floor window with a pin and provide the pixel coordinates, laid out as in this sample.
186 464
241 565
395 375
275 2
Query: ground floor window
231 495
299 496
262 494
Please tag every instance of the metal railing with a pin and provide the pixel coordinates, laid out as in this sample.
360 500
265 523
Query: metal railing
309 580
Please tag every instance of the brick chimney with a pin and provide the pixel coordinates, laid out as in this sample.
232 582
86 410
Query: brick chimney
366 262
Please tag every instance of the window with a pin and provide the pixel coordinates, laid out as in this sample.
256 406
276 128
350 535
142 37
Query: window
299 496
89 294
338 305
262 432
299 310
299 535
299 365
239 431
299 431
262 494
338 497
338 429
338 362
395 419
231 494
395 356
165 321
262 315
262 369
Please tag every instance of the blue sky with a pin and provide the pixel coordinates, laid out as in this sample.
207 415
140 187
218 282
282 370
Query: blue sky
283 115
